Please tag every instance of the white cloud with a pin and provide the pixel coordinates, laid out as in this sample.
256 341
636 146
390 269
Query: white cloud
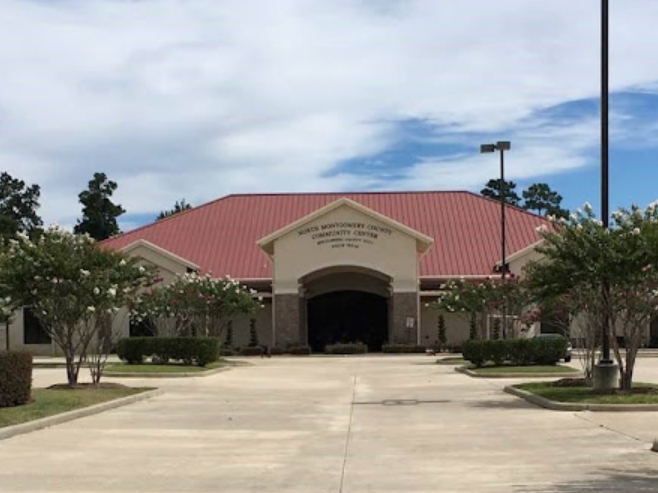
195 99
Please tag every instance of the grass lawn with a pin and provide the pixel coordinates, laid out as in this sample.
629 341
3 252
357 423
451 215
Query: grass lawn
46 402
647 394
453 360
168 368
523 369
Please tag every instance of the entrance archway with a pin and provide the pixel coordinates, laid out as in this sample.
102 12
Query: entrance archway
347 316
346 304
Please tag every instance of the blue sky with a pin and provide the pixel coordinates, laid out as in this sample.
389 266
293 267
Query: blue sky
195 99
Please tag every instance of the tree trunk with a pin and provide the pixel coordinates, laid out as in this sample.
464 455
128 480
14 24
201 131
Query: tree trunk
626 382
72 370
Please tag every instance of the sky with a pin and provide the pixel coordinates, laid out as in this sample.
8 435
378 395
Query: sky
197 99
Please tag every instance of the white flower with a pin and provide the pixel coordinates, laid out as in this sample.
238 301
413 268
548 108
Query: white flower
91 309
85 273
97 291
579 227
122 263
142 269
598 222
636 231
112 292
588 207
541 229
260 298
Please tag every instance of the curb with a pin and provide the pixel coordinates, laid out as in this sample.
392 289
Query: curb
473 374
570 406
205 373
38 424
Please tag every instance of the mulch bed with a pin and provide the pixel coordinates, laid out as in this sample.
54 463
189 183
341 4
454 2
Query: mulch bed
88 386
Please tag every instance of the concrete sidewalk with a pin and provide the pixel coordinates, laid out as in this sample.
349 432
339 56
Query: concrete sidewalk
353 424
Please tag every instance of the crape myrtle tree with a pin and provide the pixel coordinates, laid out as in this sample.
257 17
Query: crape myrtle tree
480 299
579 254
195 305
73 287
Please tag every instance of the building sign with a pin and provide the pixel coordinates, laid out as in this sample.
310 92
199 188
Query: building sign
345 234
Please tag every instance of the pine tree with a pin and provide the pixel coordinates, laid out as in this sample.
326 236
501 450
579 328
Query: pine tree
178 208
493 188
253 333
443 339
18 207
99 213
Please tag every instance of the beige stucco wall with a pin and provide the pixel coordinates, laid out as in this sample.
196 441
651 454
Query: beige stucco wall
304 250
518 263
263 318
457 327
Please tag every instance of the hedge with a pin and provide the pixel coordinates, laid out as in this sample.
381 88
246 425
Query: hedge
189 350
299 350
15 378
252 351
353 348
403 348
519 352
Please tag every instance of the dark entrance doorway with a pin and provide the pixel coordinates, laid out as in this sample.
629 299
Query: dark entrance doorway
347 316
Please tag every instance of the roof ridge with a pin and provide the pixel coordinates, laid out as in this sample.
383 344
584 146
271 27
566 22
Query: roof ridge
382 192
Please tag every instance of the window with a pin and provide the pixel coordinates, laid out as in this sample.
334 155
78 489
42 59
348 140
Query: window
33 330
142 328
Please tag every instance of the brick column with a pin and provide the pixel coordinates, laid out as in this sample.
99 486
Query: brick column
403 306
287 317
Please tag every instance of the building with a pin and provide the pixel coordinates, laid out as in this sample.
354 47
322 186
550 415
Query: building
331 266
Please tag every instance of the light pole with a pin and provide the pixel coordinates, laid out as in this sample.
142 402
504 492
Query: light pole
501 146
605 373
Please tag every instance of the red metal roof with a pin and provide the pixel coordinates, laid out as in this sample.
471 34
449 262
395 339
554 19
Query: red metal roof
221 236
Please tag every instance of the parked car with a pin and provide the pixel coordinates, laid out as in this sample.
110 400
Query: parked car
567 354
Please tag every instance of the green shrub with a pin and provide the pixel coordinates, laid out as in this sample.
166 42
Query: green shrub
253 333
549 351
476 351
403 348
189 350
133 350
442 336
252 351
227 351
277 351
498 351
521 352
350 348
15 378
299 350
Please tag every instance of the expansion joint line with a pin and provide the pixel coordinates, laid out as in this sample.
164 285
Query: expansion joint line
348 436
607 428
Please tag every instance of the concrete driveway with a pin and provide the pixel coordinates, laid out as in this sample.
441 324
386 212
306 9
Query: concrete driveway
353 424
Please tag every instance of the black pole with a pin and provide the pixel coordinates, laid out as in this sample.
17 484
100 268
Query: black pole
503 194
7 339
605 199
